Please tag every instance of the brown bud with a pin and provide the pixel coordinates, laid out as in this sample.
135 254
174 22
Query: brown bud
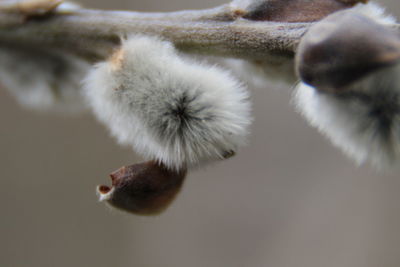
296 10
353 2
145 188
343 48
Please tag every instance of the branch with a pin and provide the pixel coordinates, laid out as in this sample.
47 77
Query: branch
93 34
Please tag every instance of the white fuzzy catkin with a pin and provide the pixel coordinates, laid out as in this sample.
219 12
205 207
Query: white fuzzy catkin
364 121
264 73
167 107
43 80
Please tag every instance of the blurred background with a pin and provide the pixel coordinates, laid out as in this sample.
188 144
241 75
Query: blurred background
289 199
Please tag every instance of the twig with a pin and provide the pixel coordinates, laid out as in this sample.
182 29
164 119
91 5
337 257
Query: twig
93 34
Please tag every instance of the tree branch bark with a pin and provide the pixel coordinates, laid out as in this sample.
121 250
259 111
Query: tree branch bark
93 34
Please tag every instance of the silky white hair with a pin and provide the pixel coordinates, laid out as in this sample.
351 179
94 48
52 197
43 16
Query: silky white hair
169 108
364 120
43 80
375 12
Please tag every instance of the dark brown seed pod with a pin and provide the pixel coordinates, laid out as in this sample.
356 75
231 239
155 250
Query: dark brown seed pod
145 188
296 10
344 48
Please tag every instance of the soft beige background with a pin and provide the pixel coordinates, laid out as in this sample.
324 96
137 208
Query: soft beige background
287 200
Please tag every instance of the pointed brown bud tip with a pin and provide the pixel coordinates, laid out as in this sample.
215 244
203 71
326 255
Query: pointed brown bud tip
296 10
343 48
145 188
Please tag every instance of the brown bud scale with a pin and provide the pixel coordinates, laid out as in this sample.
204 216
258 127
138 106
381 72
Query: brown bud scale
296 10
146 188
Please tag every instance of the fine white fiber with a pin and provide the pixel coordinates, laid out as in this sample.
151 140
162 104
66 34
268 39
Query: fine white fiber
43 80
364 121
167 107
